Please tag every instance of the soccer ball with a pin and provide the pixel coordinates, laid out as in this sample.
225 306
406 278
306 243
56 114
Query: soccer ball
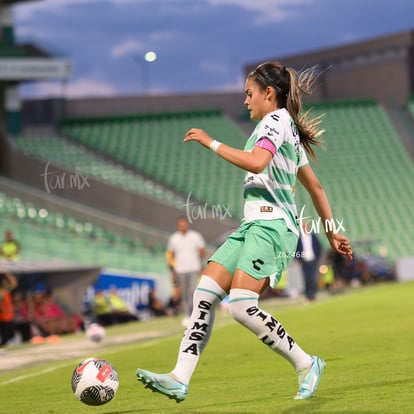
95 381
95 332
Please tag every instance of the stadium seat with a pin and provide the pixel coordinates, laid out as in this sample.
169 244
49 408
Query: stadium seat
43 234
152 145
73 156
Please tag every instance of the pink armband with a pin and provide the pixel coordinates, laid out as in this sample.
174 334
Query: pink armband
266 144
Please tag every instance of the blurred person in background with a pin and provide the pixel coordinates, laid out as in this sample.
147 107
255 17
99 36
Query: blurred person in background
119 309
10 248
47 316
308 254
8 283
22 323
174 303
186 250
101 309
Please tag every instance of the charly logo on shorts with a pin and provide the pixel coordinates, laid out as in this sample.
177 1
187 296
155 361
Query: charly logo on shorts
256 262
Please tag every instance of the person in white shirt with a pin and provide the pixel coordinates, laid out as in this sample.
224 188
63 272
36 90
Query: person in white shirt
185 253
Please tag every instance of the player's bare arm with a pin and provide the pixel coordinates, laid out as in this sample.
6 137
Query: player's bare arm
309 180
254 161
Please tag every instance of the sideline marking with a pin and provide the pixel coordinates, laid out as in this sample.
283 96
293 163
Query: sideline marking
51 369
157 338
34 374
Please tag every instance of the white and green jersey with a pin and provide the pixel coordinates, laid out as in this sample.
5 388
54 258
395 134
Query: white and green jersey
270 194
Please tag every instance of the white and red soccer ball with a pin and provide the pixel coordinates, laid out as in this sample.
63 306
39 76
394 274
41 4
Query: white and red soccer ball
95 332
95 381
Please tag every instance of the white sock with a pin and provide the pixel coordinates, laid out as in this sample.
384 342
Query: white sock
243 306
206 297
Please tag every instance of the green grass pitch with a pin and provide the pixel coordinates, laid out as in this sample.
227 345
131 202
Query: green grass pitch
366 337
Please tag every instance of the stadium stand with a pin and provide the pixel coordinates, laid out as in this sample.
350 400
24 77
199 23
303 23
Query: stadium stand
152 145
363 164
77 158
45 234
367 174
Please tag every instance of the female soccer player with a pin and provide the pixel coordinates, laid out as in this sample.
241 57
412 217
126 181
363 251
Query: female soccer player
254 256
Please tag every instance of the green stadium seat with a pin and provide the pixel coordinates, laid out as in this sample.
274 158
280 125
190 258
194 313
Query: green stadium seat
70 155
45 234
153 145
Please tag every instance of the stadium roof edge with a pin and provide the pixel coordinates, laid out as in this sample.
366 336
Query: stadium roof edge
316 56
23 50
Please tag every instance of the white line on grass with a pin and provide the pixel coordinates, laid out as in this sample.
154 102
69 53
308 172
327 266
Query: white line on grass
51 369
35 374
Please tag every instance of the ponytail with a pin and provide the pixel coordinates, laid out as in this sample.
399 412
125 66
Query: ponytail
308 128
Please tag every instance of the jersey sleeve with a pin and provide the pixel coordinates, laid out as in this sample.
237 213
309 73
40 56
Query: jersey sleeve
271 128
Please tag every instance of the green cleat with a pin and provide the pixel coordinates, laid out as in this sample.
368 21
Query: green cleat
164 384
309 381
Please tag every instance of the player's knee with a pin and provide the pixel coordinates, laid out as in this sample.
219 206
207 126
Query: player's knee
240 301
238 311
